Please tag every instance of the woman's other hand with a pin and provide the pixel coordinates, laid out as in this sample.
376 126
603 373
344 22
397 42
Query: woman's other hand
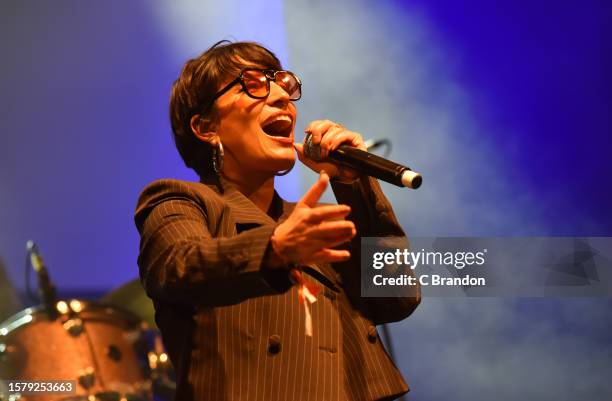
311 231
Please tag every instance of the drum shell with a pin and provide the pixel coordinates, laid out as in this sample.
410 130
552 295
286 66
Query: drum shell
97 342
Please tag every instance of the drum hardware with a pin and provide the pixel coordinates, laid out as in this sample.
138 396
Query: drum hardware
158 361
72 307
108 349
87 378
131 297
104 349
161 370
5 352
62 307
73 326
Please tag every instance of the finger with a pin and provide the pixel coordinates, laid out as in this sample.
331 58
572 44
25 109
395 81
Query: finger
334 228
317 125
331 238
332 255
318 128
331 243
299 148
328 137
314 193
346 137
310 126
315 133
328 212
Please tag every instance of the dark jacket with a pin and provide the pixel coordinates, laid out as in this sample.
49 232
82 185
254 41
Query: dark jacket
233 327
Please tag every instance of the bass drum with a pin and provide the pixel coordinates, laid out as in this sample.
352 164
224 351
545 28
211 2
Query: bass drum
109 354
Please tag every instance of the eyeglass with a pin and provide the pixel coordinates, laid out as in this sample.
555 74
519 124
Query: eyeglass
256 84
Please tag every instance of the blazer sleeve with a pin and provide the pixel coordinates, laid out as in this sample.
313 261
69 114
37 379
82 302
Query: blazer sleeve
373 217
180 261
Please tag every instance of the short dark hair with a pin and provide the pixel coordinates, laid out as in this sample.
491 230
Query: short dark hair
196 86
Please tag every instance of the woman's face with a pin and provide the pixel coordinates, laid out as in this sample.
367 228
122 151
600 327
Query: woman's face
257 134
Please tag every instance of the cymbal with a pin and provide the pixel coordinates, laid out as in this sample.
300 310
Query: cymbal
132 297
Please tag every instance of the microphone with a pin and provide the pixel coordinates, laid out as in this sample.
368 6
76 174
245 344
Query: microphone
45 287
366 163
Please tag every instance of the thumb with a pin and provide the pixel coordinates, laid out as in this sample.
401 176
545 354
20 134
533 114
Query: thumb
308 162
299 149
313 195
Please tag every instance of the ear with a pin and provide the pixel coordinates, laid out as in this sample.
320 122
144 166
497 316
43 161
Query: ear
204 129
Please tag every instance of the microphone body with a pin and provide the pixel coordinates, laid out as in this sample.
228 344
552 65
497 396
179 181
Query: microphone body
366 163
45 286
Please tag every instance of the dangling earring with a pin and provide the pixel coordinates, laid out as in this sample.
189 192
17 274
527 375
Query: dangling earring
217 158
282 173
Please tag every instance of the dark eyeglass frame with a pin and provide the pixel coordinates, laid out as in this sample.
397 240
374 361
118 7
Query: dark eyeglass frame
270 76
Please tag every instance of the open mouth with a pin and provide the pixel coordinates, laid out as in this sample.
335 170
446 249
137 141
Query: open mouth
280 126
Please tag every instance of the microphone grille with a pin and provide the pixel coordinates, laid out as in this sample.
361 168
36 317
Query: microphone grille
311 150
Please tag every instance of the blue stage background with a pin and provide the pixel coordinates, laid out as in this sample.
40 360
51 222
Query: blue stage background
503 106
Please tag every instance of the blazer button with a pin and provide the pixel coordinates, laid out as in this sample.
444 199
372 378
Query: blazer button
372 334
274 344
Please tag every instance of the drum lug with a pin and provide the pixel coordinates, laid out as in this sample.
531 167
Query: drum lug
5 353
73 326
87 378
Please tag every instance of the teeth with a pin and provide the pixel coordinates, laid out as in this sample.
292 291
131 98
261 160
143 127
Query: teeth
280 118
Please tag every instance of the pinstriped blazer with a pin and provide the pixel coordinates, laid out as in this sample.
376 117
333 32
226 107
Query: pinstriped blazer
234 328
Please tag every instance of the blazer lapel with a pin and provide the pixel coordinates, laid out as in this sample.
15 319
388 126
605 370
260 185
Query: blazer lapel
243 210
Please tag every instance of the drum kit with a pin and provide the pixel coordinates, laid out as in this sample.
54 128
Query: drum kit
110 350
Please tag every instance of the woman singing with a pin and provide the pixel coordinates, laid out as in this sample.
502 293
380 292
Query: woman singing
258 298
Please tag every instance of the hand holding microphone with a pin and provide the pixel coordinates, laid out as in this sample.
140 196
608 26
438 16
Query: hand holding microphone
328 135
331 147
